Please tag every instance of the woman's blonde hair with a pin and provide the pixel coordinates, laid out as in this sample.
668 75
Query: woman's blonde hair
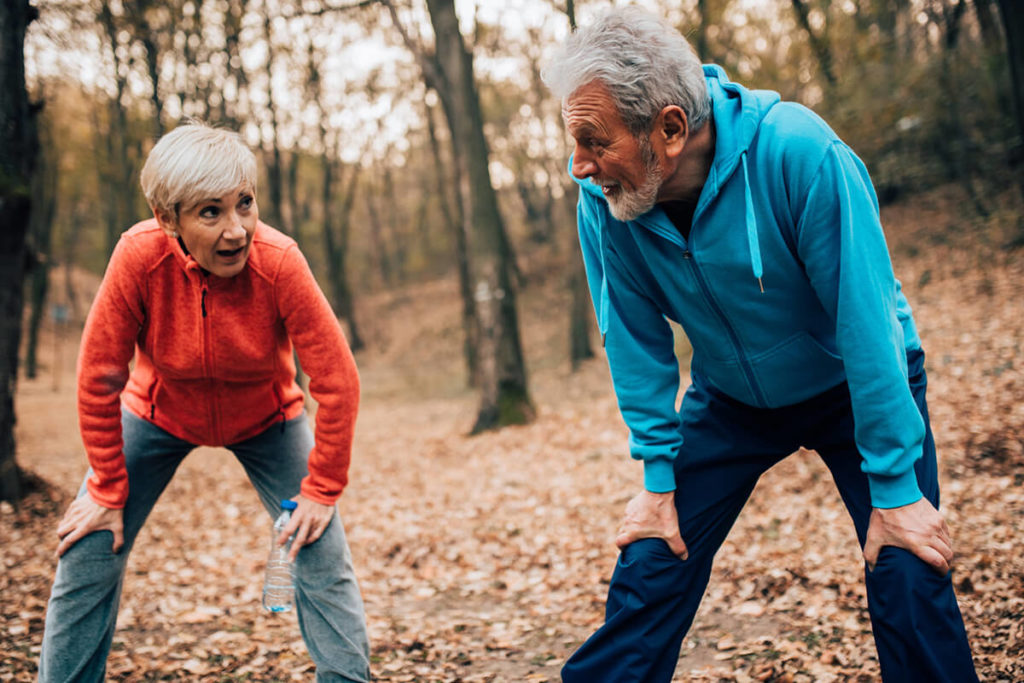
195 162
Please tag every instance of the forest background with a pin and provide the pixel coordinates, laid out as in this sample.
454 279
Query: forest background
413 152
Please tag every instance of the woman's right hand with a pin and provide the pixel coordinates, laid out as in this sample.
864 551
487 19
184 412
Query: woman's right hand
86 516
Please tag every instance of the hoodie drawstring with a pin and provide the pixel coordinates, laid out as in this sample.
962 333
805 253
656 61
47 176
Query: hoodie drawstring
755 248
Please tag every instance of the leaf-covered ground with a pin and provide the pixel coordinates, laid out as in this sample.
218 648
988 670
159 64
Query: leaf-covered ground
487 558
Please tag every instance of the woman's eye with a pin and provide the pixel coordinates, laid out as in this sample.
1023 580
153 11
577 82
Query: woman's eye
245 203
209 212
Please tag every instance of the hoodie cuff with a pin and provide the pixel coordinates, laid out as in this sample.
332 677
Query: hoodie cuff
894 492
659 475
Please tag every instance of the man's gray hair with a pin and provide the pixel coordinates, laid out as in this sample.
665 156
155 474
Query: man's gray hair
195 162
645 63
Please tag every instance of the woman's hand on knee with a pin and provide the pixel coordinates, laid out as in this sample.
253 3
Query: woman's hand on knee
309 521
86 516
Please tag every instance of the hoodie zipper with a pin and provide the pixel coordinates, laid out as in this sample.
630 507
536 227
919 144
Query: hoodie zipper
748 371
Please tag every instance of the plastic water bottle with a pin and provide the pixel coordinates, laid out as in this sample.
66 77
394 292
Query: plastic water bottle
279 584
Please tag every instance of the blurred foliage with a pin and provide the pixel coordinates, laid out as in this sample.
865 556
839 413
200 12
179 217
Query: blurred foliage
921 91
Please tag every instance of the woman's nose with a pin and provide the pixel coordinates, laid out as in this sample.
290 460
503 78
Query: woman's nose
235 229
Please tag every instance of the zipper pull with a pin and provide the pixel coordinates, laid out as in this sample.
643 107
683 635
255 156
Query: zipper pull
687 255
202 303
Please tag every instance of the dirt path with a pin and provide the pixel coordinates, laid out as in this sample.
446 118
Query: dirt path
487 558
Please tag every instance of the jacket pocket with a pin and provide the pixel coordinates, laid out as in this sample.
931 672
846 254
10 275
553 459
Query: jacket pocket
789 372
797 369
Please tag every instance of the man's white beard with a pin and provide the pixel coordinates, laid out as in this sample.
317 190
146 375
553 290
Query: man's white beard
630 205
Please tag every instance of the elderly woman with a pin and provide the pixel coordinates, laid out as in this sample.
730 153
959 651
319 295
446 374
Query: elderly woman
208 301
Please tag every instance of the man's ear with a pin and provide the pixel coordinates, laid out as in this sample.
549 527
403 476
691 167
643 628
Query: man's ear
674 129
166 222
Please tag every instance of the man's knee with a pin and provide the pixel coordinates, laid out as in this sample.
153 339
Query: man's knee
651 571
901 581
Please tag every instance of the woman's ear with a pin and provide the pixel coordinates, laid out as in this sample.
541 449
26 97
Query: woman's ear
674 129
166 222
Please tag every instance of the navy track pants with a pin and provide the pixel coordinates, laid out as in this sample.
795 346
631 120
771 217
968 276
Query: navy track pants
654 595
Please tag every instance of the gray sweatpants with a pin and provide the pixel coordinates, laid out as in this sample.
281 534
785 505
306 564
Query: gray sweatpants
82 611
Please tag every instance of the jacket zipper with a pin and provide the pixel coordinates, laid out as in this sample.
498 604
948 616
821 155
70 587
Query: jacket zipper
748 372
208 360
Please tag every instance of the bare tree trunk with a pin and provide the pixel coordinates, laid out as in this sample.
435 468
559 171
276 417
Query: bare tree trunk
117 172
70 244
579 293
702 31
454 218
395 243
958 155
275 179
44 205
819 43
292 184
579 316
1012 13
378 242
137 16
504 398
337 249
233 15
336 246
18 149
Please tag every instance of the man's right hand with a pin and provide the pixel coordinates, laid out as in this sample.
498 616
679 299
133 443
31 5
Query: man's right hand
652 515
86 516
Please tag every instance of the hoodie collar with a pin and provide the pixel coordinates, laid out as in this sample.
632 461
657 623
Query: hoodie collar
737 113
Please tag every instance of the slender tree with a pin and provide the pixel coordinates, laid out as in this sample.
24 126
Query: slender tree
18 149
504 397
116 168
452 210
334 212
579 294
1012 13
44 208
819 42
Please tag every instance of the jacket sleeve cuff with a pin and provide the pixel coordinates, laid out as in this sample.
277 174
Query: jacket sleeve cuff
309 490
113 500
659 476
894 492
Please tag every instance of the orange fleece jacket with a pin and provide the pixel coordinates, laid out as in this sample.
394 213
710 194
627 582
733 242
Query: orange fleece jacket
213 356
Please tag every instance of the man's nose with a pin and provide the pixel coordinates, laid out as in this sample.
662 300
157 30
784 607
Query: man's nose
583 165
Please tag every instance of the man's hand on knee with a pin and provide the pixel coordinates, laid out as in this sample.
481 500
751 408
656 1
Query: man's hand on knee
652 515
918 528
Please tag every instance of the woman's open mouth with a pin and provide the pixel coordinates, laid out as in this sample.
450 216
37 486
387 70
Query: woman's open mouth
230 254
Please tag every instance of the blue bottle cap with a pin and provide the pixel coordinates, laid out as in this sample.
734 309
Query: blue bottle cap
289 505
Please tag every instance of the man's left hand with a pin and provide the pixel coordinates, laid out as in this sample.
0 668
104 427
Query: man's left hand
918 528
309 520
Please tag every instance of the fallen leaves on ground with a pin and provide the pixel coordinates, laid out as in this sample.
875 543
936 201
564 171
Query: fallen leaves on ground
487 558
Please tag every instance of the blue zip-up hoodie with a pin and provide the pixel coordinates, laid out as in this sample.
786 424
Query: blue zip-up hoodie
786 206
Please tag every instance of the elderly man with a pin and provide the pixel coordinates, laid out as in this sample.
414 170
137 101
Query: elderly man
750 223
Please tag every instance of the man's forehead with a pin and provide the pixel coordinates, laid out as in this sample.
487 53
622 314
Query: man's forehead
590 104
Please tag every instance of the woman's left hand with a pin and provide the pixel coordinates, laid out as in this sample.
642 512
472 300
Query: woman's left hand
309 520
